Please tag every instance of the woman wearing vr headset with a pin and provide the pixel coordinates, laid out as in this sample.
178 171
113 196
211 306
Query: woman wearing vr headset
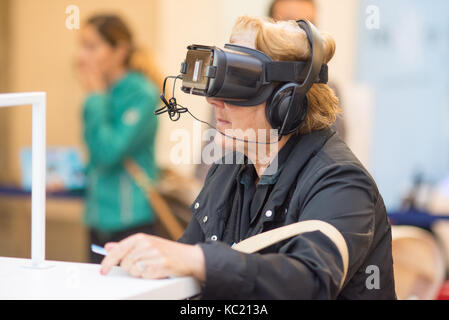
312 227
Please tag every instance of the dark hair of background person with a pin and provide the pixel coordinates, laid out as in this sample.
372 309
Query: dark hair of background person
114 30
275 2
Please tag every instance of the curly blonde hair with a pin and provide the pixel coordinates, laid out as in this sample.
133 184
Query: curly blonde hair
286 41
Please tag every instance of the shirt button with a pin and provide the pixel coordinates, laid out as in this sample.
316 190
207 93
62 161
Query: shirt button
205 219
214 238
197 205
269 213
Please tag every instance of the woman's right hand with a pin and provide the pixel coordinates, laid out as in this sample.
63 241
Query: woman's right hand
151 257
91 78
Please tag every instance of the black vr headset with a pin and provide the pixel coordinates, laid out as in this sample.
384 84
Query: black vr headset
247 77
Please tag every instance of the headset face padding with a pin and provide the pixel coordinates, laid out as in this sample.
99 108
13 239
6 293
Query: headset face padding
287 107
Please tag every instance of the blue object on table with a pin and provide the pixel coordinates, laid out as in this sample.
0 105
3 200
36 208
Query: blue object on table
14 191
415 218
64 168
98 250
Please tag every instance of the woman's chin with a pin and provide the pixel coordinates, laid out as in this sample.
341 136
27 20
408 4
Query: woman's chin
224 141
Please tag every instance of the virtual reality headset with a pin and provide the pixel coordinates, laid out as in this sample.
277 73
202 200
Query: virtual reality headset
243 76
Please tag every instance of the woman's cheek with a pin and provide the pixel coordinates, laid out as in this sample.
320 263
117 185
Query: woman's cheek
242 119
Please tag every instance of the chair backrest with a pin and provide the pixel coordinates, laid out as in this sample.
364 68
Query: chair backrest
419 263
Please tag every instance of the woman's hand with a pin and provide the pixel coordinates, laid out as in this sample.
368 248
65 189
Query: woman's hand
91 78
152 257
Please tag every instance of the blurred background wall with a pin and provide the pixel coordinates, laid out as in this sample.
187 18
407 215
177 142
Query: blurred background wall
4 37
405 64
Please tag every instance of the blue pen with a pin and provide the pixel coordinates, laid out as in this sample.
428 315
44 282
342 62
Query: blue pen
98 249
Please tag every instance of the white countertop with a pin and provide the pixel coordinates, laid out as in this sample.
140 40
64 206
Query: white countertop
69 280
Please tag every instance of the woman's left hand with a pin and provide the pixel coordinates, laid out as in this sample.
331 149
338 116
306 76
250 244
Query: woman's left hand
152 257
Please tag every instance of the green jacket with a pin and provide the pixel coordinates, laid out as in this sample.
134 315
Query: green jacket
119 124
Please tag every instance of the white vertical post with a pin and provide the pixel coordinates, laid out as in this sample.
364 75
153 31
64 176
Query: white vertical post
38 102
38 182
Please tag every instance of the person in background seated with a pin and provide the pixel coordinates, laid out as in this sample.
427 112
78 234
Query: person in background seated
123 91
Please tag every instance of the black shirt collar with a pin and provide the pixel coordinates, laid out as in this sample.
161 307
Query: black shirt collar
248 174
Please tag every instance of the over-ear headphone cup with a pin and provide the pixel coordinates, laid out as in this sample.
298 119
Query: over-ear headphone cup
277 110
304 108
282 108
295 120
277 107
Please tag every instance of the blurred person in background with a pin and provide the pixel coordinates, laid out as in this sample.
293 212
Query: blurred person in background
293 10
123 91
304 9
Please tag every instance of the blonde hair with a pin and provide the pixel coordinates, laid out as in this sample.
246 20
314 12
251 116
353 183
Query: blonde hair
286 41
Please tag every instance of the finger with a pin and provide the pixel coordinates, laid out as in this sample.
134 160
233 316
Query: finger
142 266
155 269
117 253
136 270
140 251
110 245
140 260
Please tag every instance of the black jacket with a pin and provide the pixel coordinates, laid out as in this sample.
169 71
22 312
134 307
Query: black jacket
321 179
